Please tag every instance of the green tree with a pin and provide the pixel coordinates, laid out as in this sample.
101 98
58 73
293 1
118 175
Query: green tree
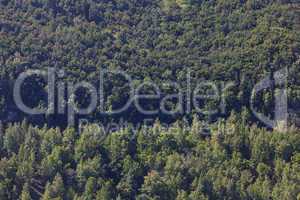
155 187
25 195
90 189
55 190
105 192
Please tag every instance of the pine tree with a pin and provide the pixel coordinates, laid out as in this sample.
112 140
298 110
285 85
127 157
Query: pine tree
25 195
90 188
105 192
55 189
47 193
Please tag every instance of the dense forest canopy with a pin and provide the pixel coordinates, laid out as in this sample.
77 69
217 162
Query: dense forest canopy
184 156
239 41
235 162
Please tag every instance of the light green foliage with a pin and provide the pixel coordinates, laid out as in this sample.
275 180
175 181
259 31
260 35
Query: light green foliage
238 162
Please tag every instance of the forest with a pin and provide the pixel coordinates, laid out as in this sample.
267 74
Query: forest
188 155
238 41
235 161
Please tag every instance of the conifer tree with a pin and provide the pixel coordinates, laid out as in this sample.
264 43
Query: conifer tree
25 195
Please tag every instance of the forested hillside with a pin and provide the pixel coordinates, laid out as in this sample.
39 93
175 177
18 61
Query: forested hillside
236 162
242 41
188 155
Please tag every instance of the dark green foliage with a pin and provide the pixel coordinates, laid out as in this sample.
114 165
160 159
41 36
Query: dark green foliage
239 41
